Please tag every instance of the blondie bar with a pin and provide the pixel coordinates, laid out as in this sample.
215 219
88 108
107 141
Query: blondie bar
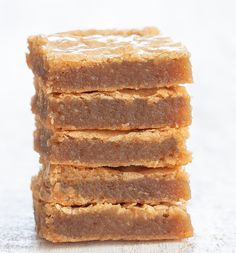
70 186
150 148
93 60
57 223
117 110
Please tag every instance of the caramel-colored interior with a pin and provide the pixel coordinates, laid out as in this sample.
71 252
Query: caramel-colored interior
113 76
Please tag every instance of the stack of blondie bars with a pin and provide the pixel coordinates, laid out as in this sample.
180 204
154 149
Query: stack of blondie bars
111 122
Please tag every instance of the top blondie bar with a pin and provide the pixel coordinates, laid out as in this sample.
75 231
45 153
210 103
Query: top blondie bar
108 60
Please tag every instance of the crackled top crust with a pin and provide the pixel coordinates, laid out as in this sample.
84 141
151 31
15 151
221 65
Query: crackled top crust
90 48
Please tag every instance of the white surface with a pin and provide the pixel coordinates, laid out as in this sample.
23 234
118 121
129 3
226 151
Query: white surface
208 29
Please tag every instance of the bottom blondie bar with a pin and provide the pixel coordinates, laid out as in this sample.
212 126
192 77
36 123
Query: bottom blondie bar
106 221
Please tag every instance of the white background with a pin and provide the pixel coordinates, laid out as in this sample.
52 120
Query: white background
208 30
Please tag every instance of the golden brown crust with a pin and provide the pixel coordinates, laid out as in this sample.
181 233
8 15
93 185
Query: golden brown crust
56 223
69 185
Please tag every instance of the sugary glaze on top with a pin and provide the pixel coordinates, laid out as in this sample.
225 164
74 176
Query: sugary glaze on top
102 45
